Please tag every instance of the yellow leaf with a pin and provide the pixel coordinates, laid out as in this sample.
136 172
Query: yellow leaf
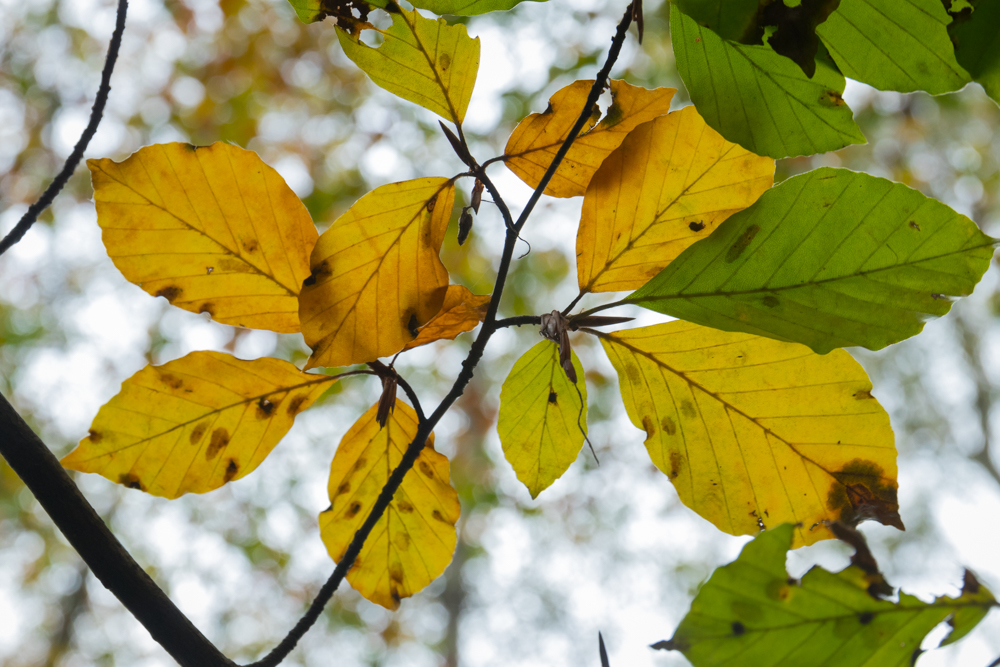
671 183
376 274
755 432
537 138
540 419
213 229
413 542
196 423
425 61
461 311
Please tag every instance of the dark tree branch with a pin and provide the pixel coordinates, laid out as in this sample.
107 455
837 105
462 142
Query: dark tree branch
96 114
519 321
100 549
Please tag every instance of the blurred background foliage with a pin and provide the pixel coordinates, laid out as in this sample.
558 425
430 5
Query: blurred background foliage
609 546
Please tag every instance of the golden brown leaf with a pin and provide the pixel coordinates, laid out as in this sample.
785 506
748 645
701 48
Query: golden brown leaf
461 311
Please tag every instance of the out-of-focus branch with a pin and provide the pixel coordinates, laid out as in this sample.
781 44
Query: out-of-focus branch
96 114
984 392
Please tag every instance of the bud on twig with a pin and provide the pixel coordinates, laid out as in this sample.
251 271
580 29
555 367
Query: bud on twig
460 150
477 195
464 226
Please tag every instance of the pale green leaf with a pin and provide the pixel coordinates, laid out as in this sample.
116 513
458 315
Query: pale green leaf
976 35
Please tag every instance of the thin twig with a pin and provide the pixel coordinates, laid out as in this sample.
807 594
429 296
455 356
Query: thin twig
96 114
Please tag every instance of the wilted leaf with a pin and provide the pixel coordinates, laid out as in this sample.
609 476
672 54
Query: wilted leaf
752 613
413 542
671 183
212 229
977 43
376 274
195 423
540 419
461 311
754 432
829 258
537 138
761 100
900 45
425 61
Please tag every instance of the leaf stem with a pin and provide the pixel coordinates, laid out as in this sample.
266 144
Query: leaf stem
604 306
96 114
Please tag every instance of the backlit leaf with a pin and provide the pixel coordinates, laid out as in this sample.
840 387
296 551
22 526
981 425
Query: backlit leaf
376 274
540 420
752 613
761 100
413 542
467 7
899 45
671 183
537 138
195 423
829 258
755 432
730 19
977 43
212 229
461 311
425 61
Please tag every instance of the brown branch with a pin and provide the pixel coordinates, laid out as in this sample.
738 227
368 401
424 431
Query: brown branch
96 114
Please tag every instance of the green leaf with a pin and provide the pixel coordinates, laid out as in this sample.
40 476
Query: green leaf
829 258
761 100
751 613
467 7
540 418
425 61
898 45
730 19
977 43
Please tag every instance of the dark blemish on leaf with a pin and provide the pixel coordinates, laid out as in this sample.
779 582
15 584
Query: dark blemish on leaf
95 436
863 394
792 581
404 507
831 98
938 297
310 281
738 629
861 492
548 109
696 226
392 8
613 117
171 381
668 425
647 424
771 301
264 408
687 409
295 405
360 463
444 61
396 573
353 510
437 515
343 488
866 617
130 480
430 203
675 464
413 325
633 374
231 469
425 468
207 308
553 396
220 438
742 243
914 225
198 432
170 293
251 245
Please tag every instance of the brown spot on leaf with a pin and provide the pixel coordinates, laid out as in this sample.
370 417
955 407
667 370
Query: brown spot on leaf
444 61
675 464
938 297
413 325
171 381
861 491
648 426
742 243
738 629
343 488
687 409
231 469
440 517
353 510
220 438
430 203
295 405
251 245
396 573
553 396
130 480
360 463
207 307
404 507
866 617
170 293
914 225
198 432
402 541
831 98
668 425
613 117
771 301
264 408
696 226
863 394
95 436
426 469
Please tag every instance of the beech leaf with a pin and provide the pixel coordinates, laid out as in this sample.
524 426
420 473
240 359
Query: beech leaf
671 183
829 258
195 423
461 311
210 228
752 613
376 274
755 432
536 139
540 417
425 61
413 542
977 43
